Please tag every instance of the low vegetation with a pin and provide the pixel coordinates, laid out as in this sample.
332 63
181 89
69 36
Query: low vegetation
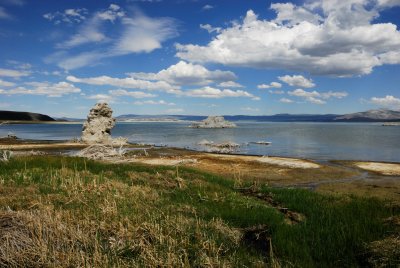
71 212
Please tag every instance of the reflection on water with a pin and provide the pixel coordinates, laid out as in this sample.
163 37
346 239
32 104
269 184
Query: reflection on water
358 141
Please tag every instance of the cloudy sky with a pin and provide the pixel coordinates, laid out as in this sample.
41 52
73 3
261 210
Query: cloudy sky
199 57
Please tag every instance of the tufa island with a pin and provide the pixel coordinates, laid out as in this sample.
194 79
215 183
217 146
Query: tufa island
213 122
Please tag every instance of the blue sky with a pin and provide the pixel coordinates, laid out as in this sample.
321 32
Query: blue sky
199 57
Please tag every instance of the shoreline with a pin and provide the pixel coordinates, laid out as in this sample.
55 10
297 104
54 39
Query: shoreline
18 144
315 174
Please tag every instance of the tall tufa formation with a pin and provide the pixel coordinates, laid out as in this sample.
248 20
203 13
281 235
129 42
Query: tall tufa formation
97 128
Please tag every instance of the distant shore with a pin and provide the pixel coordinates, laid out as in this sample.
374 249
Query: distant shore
19 122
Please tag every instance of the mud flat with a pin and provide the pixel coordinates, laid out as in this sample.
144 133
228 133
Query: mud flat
272 160
391 169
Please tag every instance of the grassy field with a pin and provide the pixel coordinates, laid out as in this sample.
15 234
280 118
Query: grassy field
70 212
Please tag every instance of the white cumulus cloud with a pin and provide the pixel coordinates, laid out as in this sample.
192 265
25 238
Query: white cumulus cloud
210 28
388 101
271 85
6 83
297 81
291 14
127 82
44 88
231 84
317 97
174 80
323 37
285 100
184 73
215 93
152 102
133 94
13 73
207 7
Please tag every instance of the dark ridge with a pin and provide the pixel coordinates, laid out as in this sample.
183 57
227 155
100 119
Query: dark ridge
23 116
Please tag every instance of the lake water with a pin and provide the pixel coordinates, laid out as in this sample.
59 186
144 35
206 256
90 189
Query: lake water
351 141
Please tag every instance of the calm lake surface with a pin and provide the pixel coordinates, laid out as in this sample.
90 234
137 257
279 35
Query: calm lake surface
350 141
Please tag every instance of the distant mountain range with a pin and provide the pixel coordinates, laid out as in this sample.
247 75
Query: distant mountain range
69 119
260 118
380 115
23 116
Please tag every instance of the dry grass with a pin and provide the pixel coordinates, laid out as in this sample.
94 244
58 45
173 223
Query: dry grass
67 217
385 253
72 212
39 238
47 238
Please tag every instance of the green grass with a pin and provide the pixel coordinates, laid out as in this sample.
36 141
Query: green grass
137 215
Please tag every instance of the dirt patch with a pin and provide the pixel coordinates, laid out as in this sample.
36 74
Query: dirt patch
257 237
390 169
